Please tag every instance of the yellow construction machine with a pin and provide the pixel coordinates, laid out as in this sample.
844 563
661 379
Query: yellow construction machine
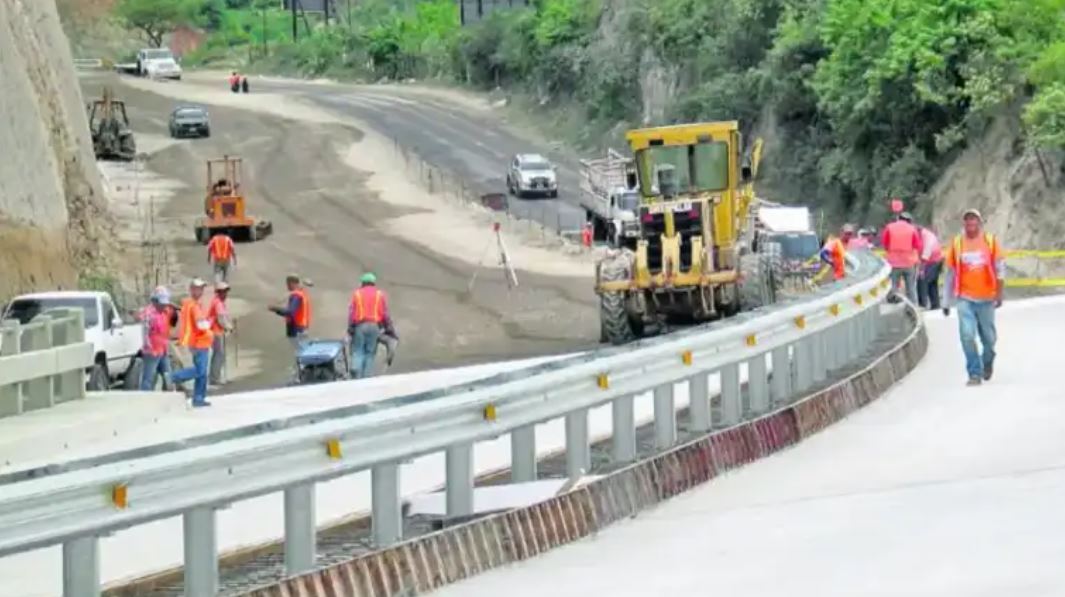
696 258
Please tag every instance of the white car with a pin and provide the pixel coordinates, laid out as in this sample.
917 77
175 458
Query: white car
116 341
157 63
532 174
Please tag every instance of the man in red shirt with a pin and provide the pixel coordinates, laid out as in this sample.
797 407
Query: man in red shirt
367 315
902 248
156 350
218 314
222 254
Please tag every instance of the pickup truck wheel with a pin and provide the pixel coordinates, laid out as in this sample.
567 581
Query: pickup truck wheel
98 379
132 381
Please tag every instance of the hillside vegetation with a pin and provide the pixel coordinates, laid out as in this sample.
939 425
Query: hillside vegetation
860 100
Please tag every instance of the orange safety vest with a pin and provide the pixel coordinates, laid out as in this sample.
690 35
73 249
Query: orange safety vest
987 288
302 317
837 255
191 335
359 311
217 306
220 248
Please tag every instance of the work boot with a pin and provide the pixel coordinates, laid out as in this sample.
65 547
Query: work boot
989 369
974 381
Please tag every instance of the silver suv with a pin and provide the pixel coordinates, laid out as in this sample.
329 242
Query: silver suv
532 174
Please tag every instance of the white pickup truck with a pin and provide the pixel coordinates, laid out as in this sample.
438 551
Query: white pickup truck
117 340
157 63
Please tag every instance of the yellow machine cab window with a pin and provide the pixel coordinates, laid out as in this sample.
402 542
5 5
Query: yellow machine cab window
670 170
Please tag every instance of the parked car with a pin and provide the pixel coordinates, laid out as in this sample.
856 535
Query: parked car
116 340
532 174
157 63
189 121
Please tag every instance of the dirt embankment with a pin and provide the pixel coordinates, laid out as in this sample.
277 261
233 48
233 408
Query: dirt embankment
51 223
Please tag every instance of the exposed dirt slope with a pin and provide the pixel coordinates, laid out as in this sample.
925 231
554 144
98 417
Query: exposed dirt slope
49 184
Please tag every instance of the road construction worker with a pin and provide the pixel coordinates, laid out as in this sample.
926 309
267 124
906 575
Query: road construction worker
221 324
367 315
931 266
854 241
297 314
974 283
194 333
244 84
222 254
902 247
156 318
834 253
234 82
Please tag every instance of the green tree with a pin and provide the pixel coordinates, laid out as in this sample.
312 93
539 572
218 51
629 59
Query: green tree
156 18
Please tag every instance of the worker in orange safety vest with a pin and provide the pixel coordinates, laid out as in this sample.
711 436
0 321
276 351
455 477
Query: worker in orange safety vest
974 282
297 314
222 254
834 253
902 249
194 333
367 317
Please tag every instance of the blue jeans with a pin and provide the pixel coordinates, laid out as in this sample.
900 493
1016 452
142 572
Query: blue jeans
198 371
364 349
977 317
907 275
153 366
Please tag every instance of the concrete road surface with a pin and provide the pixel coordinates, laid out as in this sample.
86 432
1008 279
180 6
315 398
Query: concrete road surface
330 227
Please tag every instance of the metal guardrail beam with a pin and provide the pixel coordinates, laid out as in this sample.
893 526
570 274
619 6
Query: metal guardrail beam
72 507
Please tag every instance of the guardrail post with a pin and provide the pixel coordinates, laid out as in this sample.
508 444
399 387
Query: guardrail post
731 408
819 350
832 342
67 329
804 364
201 553
523 454
699 403
81 567
780 379
300 529
387 506
578 451
11 399
37 336
873 324
459 480
665 417
854 337
623 436
757 384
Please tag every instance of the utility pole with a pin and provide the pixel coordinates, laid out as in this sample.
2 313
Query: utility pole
295 28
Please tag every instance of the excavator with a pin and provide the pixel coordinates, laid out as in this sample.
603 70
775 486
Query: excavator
225 202
696 256
112 138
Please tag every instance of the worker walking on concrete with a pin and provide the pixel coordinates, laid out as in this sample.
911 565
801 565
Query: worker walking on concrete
222 254
156 350
902 247
974 283
297 314
221 325
195 334
367 315
931 266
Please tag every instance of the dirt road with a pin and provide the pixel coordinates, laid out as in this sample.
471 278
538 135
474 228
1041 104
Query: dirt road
331 225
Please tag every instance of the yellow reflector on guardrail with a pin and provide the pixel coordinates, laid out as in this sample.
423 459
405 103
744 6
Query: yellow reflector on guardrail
800 322
752 340
490 412
332 447
602 381
686 357
120 496
834 309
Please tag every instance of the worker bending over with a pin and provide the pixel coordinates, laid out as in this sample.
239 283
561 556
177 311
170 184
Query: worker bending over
222 254
297 314
367 316
195 334
834 252
974 282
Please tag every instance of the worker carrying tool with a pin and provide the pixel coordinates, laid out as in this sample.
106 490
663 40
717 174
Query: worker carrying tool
367 317
222 255
221 325
195 334
297 314
974 283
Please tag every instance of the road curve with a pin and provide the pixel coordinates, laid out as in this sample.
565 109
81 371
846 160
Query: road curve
935 489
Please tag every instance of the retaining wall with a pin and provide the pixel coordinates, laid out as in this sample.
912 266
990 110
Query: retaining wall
430 561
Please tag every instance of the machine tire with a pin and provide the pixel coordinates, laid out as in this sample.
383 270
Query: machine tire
132 380
127 147
616 326
202 235
98 379
755 283
252 234
774 267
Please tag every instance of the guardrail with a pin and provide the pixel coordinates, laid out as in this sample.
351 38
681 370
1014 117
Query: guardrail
88 63
43 363
800 342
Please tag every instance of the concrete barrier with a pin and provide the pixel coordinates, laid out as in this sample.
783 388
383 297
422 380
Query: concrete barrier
450 555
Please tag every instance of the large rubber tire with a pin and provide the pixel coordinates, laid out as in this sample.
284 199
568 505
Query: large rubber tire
203 236
132 381
616 327
98 379
754 284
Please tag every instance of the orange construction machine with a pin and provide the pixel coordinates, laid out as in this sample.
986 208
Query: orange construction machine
224 207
